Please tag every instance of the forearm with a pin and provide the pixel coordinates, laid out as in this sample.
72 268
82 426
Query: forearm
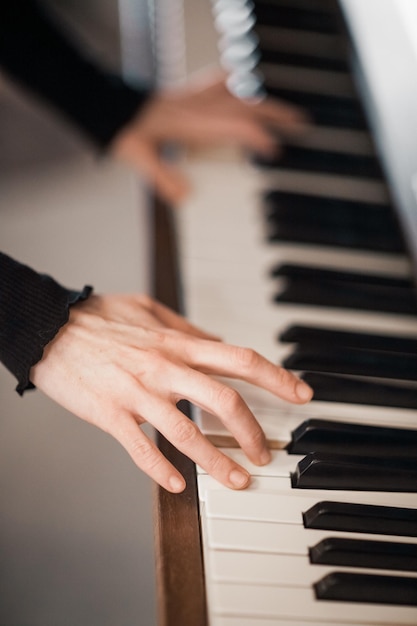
33 307
36 53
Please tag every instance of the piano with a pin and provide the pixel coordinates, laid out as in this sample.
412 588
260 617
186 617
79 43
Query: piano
311 259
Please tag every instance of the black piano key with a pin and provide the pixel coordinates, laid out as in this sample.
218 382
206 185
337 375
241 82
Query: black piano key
334 236
389 555
346 587
323 287
321 5
284 205
320 470
318 232
316 435
296 17
313 160
318 273
309 335
280 57
362 518
331 221
360 362
325 110
333 388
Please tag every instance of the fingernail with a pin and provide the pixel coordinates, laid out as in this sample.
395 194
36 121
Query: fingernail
303 391
265 457
177 484
238 478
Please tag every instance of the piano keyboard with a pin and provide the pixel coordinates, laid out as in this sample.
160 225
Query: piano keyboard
302 259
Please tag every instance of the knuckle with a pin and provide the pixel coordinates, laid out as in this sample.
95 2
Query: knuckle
229 398
144 452
185 432
146 301
156 360
283 376
246 358
217 464
256 436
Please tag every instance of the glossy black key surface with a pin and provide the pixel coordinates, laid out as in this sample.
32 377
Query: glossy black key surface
387 555
333 388
325 161
362 518
346 587
316 435
333 236
324 287
321 470
313 336
320 5
301 60
331 221
325 110
360 362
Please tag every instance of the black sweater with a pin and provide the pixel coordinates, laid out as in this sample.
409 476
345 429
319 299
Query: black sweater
35 53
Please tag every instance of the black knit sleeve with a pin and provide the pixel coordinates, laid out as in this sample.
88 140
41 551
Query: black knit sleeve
33 307
35 52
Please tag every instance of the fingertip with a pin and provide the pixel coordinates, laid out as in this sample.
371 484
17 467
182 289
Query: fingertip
239 479
172 189
266 457
176 484
303 391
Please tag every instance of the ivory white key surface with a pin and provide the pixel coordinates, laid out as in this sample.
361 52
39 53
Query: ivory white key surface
262 506
222 620
281 464
281 570
279 423
299 603
248 536
277 486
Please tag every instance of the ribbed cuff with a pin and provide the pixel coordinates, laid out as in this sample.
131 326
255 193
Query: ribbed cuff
33 307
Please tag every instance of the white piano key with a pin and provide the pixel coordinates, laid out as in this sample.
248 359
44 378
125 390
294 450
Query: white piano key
335 139
222 620
312 80
279 508
250 568
277 486
278 421
248 536
282 463
271 602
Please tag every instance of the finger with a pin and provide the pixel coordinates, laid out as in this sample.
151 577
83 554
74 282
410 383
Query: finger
242 130
186 437
246 364
146 455
281 114
168 182
219 400
173 320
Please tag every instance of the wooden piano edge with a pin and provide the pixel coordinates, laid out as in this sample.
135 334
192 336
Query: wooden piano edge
181 597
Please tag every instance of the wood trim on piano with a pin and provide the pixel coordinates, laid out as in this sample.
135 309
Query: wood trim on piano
179 562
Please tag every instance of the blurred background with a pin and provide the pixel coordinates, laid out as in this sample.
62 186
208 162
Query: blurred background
76 541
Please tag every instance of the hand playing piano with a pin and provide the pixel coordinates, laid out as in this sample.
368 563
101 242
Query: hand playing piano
203 113
123 360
